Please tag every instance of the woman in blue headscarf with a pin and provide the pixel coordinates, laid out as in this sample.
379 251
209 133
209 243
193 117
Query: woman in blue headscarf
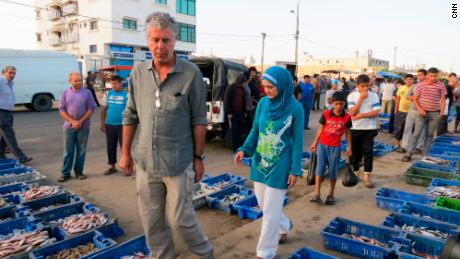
275 144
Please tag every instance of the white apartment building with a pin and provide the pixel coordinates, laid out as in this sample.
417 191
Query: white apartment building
103 33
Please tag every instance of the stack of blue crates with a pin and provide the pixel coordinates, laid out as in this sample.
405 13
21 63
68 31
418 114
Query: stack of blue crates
384 120
446 147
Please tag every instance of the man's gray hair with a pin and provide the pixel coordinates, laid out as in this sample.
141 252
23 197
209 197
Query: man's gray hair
6 68
160 20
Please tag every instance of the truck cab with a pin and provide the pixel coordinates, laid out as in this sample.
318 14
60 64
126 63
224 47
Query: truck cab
217 75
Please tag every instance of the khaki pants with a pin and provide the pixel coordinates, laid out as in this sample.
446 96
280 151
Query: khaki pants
387 106
165 202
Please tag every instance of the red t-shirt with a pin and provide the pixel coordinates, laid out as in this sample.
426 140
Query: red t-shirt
334 127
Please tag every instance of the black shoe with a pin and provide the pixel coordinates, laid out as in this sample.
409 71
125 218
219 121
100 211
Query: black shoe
63 178
406 159
81 176
330 200
110 171
316 199
25 160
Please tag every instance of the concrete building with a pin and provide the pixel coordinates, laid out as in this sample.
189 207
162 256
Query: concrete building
103 33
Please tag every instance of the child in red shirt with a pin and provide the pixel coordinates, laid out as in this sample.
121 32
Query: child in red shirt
334 124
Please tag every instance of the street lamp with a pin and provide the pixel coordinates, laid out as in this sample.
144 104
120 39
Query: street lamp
263 51
296 36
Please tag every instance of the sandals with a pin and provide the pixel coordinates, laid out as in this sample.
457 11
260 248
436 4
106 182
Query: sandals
81 176
110 171
330 200
283 236
316 199
367 182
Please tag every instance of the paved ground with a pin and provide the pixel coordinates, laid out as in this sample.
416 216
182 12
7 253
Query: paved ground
40 135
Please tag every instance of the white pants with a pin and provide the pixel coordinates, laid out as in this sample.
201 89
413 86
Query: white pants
274 222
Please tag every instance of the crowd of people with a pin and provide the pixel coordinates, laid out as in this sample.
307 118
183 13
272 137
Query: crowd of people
267 114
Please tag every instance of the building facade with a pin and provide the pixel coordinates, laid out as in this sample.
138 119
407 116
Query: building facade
103 33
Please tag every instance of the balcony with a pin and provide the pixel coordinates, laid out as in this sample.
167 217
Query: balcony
54 14
55 40
70 8
71 37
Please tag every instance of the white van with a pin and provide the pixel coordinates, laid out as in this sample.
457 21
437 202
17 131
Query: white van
41 75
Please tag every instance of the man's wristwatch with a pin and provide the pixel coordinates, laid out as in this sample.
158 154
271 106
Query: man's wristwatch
197 157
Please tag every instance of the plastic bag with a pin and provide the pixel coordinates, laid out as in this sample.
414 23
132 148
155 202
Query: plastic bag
311 170
350 179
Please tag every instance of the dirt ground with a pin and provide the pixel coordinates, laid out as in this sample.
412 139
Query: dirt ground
40 135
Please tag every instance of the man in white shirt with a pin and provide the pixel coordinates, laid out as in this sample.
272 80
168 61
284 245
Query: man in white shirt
388 90
329 93
364 107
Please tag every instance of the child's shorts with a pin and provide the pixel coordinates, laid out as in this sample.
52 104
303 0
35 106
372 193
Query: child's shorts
327 157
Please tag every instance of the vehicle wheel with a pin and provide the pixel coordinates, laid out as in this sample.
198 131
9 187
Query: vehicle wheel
228 138
42 103
29 106
210 135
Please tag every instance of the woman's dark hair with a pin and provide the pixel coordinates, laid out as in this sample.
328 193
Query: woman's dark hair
362 79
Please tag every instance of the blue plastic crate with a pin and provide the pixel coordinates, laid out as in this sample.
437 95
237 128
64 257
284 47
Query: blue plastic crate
12 212
12 188
134 245
384 115
421 244
435 167
308 253
397 220
7 161
9 165
446 139
215 200
393 200
425 211
12 199
57 200
230 179
94 237
334 239
65 211
442 145
16 170
26 223
110 229
246 210
443 152
439 182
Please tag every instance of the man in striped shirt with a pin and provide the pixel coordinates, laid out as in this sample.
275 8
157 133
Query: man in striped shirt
430 102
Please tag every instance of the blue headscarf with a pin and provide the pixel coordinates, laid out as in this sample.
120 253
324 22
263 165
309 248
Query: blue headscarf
284 103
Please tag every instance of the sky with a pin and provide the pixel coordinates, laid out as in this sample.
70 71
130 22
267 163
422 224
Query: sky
423 30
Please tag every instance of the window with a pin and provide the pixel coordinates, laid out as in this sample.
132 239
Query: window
129 24
165 2
39 37
186 33
93 48
93 25
185 7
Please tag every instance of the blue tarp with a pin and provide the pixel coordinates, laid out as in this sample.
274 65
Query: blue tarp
388 74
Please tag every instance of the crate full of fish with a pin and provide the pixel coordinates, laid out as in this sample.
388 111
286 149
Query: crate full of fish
448 203
393 200
223 200
81 246
415 176
361 240
51 201
12 212
19 245
421 226
28 177
308 253
249 208
9 200
432 213
65 211
420 247
223 180
77 224
450 185
429 168
38 192
24 224
135 248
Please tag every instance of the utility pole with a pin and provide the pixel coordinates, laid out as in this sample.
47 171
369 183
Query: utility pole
263 51
394 57
297 39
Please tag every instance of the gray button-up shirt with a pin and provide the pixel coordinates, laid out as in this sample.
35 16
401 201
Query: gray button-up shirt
6 94
165 146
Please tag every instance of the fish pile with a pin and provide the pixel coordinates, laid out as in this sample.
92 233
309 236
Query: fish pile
41 191
367 240
83 222
434 160
48 208
424 231
232 198
73 253
3 203
24 242
137 255
423 255
421 216
448 191
204 189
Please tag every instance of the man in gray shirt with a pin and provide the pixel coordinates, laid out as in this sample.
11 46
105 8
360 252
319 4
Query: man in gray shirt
167 102
8 136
